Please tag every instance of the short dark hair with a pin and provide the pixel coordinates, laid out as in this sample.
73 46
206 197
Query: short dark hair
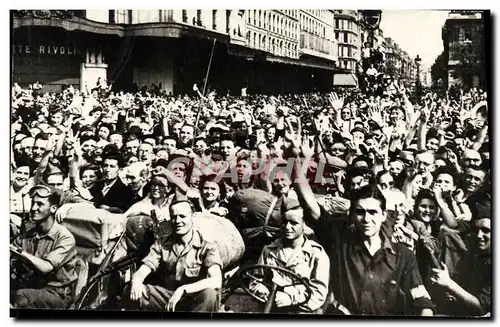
424 194
111 151
366 192
446 170
42 136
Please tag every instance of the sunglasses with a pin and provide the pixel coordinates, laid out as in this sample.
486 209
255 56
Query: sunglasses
40 190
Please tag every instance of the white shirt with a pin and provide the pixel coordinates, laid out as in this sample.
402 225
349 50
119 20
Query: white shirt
106 187
20 201
146 205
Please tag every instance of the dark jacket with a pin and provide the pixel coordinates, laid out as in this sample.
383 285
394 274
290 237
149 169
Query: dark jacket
119 195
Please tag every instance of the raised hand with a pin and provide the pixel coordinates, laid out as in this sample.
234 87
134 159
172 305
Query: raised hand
336 101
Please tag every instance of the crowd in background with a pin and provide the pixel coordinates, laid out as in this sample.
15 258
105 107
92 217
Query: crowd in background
428 154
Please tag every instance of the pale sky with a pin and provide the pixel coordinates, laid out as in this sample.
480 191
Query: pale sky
416 32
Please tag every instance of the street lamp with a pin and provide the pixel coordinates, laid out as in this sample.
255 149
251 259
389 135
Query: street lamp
371 21
418 60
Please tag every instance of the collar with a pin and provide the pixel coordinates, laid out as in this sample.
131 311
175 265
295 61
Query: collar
111 184
52 233
386 245
306 247
196 240
141 191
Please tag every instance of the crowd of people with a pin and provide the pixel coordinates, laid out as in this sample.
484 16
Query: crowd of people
415 238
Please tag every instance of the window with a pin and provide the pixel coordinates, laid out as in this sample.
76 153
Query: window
346 37
349 53
254 17
337 24
337 36
121 17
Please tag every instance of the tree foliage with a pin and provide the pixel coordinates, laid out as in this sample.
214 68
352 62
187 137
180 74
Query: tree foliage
439 69
470 57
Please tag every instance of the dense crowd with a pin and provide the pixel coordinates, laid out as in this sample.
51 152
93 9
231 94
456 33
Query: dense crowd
412 173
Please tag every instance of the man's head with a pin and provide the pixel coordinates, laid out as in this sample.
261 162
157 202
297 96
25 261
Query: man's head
132 146
176 129
368 211
474 179
56 118
145 153
471 158
281 183
137 175
271 134
396 115
111 166
432 143
171 144
160 152
385 181
424 162
345 114
481 231
292 225
445 179
44 203
395 167
200 145
116 139
227 148
145 128
181 214
243 168
27 144
40 146
104 131
396 205
186 134
56 180
358 177
338 149
159 184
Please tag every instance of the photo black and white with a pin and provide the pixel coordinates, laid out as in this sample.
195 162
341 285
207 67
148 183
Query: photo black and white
253 161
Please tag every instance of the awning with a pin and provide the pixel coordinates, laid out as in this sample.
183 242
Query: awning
348 80
283 60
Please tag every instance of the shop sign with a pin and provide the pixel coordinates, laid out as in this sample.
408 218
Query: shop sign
45 49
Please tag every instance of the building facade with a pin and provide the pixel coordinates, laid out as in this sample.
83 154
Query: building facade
398 62
347 34
463 41
267 51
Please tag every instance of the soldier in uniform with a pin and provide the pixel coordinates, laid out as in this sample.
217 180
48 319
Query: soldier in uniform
304 257
190 268
51 251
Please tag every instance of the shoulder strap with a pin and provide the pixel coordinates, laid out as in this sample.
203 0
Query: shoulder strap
270 211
